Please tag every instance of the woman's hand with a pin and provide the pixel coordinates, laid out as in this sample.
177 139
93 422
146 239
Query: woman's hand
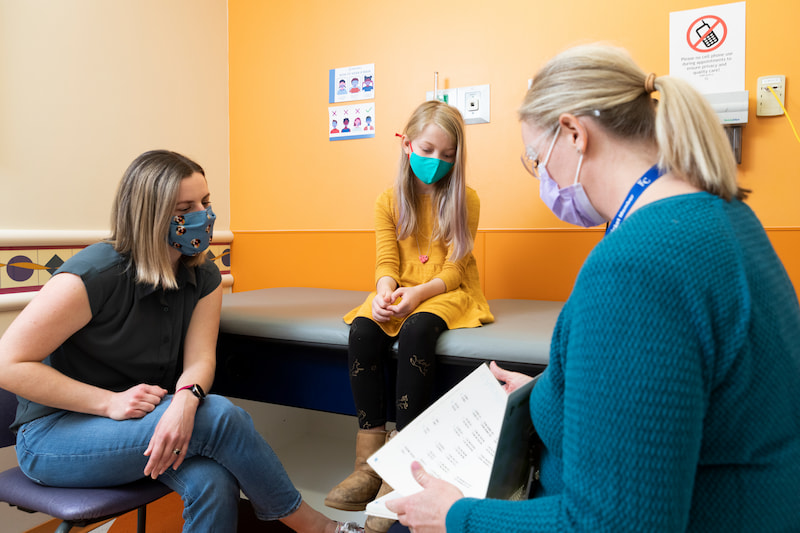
511 380
135 402
426 511
170 439
173 432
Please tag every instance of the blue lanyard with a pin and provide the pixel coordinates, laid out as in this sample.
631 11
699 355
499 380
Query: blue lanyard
638 188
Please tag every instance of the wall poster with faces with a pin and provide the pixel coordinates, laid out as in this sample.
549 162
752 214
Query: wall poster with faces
355 121
349 84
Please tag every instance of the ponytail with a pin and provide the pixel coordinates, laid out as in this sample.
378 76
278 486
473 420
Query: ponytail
691 142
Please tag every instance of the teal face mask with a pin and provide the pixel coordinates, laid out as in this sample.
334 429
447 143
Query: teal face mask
428 169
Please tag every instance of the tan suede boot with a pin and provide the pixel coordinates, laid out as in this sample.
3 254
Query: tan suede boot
360 487
377 524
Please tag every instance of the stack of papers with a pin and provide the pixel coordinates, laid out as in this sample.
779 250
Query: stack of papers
456 439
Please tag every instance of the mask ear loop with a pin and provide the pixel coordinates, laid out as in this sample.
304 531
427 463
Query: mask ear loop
552 144
409 143
578 171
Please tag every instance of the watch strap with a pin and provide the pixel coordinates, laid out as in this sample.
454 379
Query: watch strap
195 389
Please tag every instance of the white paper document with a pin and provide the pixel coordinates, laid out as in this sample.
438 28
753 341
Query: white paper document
455 439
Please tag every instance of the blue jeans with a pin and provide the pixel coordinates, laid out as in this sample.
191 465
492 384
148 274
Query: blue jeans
225 454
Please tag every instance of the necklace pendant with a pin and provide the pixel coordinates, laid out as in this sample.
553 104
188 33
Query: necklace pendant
423 259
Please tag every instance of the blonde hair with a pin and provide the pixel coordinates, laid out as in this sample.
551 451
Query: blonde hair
449 197
604 83
142 211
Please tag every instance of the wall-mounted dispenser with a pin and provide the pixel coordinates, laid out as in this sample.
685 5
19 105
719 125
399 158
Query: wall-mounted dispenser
732 111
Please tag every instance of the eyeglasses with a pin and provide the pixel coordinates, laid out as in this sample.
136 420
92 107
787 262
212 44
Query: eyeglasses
530 160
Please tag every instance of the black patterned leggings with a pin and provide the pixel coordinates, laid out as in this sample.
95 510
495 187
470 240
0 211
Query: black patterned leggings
368 351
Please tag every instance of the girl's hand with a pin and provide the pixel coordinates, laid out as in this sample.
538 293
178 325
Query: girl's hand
383 299
410 299
380 307
425 511
511 380
135 402
173 432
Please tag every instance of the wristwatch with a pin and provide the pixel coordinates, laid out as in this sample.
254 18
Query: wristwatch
196 389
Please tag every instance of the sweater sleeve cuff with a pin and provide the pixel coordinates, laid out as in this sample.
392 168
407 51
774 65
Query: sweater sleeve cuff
456 519
385 272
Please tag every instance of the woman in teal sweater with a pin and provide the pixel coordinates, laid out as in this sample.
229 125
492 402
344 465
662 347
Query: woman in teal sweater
671 400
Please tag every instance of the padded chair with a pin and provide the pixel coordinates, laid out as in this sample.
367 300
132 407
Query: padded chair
75 507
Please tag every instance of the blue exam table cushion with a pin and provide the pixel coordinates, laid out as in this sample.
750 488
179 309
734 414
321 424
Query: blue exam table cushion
521 331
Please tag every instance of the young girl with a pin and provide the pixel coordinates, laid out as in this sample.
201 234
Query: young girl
112 357
426 281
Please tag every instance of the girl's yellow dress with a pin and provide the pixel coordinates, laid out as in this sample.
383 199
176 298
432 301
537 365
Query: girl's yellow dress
463 305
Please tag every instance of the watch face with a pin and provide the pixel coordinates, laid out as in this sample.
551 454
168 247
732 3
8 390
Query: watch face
198 391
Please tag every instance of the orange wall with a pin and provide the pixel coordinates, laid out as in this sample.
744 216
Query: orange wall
301 206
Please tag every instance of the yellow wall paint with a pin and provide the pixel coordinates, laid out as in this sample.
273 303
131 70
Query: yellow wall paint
288 178
331 259
534 264
511 264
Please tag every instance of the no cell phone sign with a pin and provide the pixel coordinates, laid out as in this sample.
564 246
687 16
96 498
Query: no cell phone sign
706 33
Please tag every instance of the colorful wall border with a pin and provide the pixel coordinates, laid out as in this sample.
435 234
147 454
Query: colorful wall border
26 269
26 266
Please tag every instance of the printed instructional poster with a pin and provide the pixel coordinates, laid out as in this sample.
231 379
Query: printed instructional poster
706 47
356 121
351 83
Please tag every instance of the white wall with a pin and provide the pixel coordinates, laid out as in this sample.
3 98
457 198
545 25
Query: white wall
85 87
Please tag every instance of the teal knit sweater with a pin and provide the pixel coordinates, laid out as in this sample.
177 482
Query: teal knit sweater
672 398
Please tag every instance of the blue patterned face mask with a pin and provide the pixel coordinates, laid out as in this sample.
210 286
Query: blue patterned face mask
191 233
428 169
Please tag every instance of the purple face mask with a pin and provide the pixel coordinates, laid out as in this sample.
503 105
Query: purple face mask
569 204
